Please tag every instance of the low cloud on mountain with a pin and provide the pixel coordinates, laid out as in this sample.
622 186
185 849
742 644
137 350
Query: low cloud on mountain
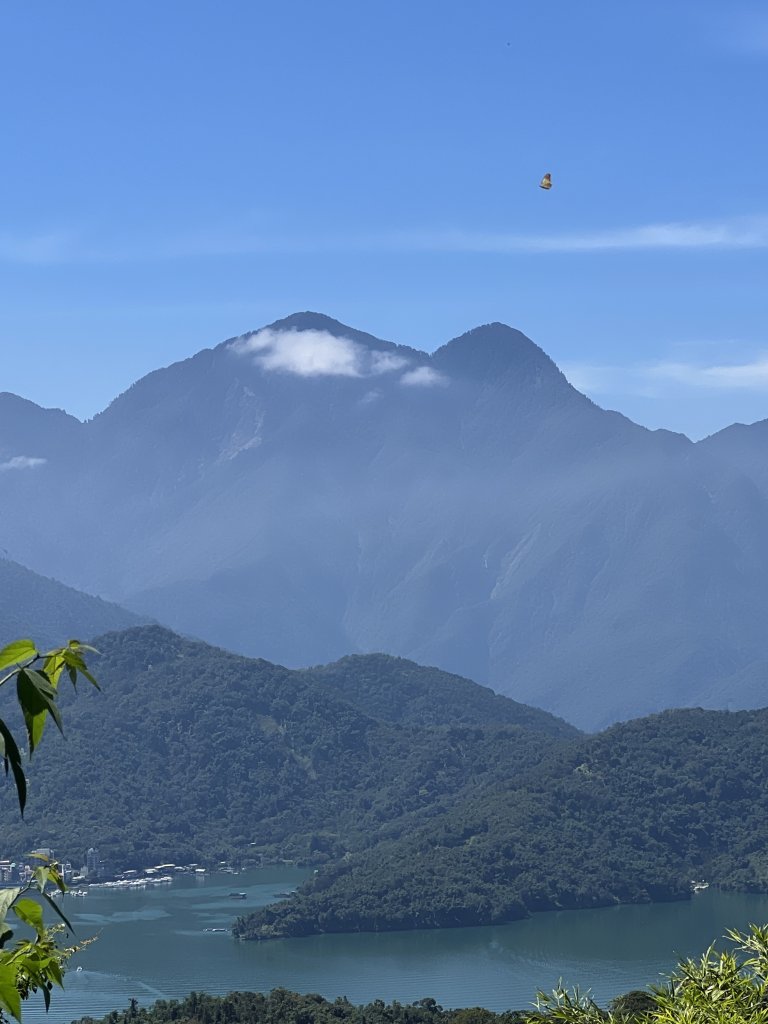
422 376
313 353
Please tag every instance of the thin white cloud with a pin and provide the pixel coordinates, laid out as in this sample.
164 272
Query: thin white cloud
312 353
746 376
386 362
21 462
744 233
737 233
663 376
422 377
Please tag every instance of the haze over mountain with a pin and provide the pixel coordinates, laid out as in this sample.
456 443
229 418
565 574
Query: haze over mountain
307 491
51 614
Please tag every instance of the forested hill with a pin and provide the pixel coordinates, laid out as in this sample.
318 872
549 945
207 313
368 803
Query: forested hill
633 814
194 754
400 691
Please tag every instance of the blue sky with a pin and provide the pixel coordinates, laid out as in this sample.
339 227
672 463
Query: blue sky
175 173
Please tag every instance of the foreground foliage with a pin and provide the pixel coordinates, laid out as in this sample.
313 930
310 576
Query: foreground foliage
37 963
728 987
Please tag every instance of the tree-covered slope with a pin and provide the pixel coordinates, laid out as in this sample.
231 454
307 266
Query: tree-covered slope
400 691
633 814
51 613
192 753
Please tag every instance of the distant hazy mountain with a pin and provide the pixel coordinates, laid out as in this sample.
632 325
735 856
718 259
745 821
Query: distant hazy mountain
307 491
49 613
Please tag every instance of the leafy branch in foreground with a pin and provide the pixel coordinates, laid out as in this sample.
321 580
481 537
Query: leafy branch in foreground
34 964
728 987
37 679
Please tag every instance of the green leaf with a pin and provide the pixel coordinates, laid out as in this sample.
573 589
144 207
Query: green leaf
76 663
31 913
10 998
7 896
11 755
71 658
52 666
16 653
54 970
5 934
37 699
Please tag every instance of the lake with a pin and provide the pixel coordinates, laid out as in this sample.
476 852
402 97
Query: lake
152 944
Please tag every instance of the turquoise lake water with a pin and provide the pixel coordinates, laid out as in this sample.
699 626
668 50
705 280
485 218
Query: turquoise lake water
152 944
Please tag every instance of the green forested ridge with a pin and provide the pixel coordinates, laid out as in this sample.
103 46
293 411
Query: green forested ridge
633 814
400 691
194 754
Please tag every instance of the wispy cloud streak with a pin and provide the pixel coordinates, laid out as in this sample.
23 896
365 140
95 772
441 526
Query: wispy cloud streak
738 234
745 233
21 462
654 379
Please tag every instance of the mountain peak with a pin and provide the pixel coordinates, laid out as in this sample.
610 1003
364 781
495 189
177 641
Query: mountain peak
494 351
311 321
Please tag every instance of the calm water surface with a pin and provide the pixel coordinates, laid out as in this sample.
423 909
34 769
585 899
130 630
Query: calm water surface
151 945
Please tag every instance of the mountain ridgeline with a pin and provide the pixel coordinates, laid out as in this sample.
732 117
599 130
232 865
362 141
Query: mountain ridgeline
307 491
51 614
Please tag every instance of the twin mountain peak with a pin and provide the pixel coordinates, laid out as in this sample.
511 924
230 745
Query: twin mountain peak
307 491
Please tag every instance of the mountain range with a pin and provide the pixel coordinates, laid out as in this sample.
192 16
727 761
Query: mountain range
307 491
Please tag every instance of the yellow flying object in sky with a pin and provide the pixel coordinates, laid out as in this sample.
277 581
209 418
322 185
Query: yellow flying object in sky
546 181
